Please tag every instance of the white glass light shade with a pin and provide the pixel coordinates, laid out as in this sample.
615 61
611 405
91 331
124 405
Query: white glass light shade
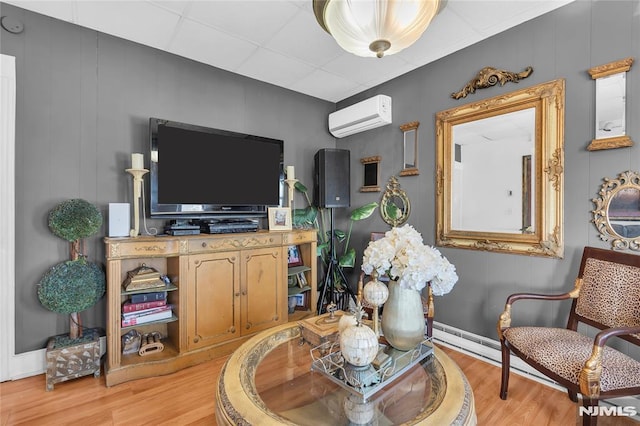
376 27
375 292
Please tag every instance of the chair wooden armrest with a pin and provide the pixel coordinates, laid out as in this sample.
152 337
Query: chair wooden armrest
504 321
590 373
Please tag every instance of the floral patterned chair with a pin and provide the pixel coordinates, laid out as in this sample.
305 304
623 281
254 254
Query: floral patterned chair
606 296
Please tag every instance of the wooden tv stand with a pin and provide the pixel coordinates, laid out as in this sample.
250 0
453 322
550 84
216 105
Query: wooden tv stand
224 288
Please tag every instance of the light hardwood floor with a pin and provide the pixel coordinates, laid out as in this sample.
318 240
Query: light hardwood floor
187 398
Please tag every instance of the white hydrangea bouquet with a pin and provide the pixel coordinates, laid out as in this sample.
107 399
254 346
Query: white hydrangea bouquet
403 257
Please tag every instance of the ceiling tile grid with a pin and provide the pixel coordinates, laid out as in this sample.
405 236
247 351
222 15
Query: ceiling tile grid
280 42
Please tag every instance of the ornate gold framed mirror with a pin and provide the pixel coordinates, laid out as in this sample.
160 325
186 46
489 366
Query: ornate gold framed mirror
371 166
617 212
395 206
499 173
410 148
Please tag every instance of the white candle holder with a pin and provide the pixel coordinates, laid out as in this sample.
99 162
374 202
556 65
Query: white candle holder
292 184
137 190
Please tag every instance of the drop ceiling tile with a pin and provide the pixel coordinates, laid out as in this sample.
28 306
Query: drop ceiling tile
303 38
272 67
325 85
139 21
176 6
255 21
362 69
207 45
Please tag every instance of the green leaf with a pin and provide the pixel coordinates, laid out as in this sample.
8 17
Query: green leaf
348 260
300 187
340 235
306 216
320 248
364 211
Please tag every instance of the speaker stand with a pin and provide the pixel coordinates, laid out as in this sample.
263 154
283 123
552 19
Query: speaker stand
333 269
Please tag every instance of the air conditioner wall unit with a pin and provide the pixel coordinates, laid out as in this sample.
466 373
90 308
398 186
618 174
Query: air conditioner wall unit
368 114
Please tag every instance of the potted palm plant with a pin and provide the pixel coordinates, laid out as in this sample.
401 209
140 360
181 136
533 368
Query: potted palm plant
69 288
319 218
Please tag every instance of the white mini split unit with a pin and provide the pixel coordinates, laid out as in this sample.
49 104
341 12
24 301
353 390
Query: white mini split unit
368 114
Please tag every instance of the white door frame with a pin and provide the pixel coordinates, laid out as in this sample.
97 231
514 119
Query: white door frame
7 215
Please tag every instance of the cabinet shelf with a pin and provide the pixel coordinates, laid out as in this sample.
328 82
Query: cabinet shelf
162 321
169 352
294 270
292 291
168 287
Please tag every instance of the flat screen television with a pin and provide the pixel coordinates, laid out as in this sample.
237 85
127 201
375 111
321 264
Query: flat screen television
198 172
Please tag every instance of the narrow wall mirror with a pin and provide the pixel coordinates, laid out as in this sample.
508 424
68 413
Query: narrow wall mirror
371 178
617 212
499 173
410 148
610 120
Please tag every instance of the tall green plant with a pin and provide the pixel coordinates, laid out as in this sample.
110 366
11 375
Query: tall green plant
320 219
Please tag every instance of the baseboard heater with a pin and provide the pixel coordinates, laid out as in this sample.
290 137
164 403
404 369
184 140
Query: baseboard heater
488 350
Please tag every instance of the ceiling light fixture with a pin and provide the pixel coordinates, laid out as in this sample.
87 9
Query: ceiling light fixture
376 27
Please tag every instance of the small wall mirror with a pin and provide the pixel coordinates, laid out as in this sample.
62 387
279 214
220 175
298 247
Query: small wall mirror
610 120
410 148
395 206
371 170
617 212
499 173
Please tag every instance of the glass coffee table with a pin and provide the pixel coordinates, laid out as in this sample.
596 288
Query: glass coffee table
269 381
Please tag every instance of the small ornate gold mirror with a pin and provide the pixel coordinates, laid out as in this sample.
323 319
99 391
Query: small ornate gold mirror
410 148
371 174
395 206
610 105
617 212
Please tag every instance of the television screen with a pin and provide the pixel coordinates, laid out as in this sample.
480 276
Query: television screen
200 172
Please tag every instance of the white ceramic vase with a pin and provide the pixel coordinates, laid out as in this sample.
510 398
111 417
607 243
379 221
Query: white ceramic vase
403 323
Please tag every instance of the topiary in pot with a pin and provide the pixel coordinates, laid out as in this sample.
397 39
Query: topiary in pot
75 285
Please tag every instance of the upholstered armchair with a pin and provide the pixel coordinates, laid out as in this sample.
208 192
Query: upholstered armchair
606 296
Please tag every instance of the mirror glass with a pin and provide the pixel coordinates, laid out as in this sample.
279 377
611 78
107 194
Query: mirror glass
493 193
610 106
617 212
409 149
499 173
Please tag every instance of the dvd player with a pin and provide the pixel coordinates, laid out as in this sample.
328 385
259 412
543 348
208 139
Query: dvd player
228 226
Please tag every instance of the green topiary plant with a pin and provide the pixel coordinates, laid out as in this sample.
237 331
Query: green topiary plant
75 285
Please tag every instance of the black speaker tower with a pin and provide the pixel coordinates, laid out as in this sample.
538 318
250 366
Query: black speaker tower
332 188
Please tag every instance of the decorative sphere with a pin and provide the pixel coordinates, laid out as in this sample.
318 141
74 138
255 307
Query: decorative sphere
375 292
359 345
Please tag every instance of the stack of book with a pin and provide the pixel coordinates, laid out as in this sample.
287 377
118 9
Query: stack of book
136 311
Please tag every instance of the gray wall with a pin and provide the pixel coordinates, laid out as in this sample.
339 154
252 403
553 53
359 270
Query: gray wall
84 99
83 104
562 44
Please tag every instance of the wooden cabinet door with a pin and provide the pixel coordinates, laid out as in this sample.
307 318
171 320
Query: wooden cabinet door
263 289
214 298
